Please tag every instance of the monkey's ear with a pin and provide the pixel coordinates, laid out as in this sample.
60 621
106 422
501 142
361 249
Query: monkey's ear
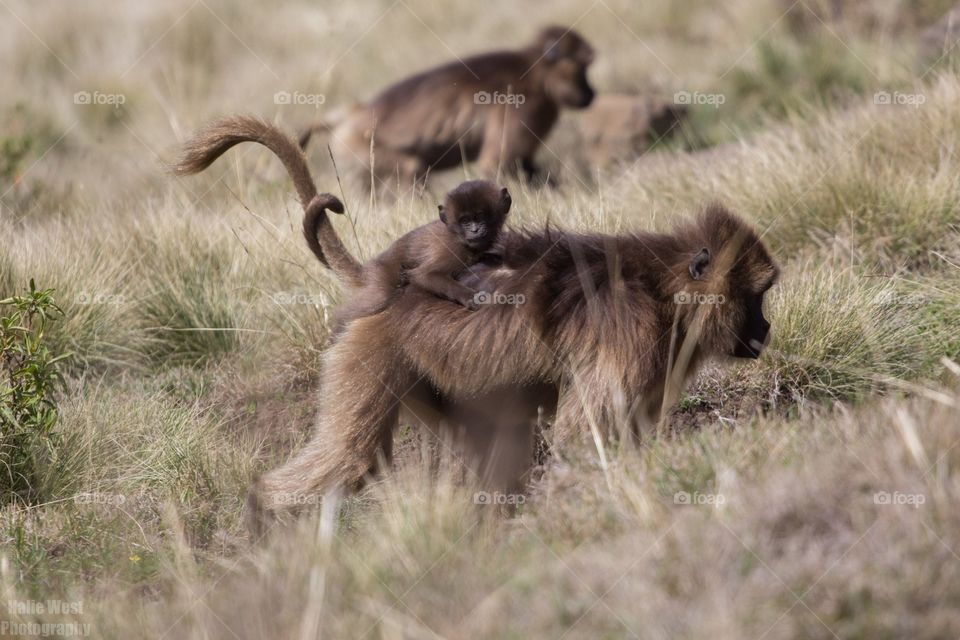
443 214
699 263
505 200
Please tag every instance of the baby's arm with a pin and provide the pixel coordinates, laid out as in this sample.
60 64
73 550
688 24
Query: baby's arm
441 282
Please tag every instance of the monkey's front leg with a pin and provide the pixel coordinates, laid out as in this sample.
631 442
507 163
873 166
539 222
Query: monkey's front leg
497 153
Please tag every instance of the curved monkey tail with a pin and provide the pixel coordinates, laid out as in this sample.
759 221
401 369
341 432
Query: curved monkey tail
214 140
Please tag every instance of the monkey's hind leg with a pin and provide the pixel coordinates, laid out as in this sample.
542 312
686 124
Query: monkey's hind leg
364 382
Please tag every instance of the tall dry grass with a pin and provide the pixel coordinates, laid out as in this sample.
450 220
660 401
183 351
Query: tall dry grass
806 495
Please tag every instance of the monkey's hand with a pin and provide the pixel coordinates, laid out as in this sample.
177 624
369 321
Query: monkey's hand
470 302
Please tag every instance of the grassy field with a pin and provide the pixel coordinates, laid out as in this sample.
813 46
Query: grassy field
810 494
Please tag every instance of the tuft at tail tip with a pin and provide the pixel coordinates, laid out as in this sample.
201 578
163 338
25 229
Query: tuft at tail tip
327 201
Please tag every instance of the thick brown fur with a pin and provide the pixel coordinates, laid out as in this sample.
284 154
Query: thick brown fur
615 324
216 139
495 108
432 256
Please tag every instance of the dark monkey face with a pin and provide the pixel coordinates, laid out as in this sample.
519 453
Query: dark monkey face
567 56
474 212
475 230
754 331
730 281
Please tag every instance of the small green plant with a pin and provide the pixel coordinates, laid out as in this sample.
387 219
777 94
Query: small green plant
12 153
29 378
692 403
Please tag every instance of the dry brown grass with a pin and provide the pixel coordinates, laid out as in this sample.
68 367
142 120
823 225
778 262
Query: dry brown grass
198 319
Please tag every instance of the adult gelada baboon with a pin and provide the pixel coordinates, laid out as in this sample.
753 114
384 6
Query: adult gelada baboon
495 108
611 326
615 325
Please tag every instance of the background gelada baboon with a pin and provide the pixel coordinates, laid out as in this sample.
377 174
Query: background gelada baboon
495 108
618 128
